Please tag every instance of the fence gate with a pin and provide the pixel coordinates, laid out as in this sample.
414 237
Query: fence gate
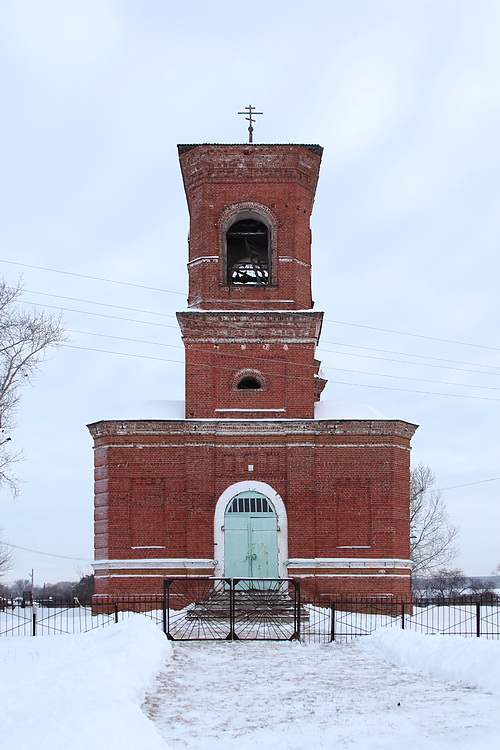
232 609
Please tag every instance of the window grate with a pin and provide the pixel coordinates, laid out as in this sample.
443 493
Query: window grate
254 504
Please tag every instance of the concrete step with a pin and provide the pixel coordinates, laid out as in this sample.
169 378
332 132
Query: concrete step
248 605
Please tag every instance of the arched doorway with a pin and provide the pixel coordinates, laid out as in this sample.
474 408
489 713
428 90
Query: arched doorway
250 537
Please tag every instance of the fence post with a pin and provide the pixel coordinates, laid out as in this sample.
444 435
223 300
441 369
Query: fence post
33 620
298 604
116 612
402 615
232 606
478 620
332 622
166 585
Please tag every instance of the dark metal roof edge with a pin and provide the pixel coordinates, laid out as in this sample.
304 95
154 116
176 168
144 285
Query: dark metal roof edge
183 147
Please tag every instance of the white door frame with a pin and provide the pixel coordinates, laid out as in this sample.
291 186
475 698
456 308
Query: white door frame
263 489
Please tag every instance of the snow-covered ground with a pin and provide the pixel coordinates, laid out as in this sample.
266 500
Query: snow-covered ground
287 696
86 690
80 692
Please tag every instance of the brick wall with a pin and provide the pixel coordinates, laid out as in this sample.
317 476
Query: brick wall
281 181
345 486
278 349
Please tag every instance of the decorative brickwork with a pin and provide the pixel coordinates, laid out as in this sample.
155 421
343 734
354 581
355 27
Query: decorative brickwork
338 489
278 183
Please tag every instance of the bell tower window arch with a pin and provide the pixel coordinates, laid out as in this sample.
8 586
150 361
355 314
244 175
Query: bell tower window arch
248 379
248 238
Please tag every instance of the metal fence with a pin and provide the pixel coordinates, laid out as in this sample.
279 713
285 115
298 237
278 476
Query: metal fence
345 619
256 609
69 616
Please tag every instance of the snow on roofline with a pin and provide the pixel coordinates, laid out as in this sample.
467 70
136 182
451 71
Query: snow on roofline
175 410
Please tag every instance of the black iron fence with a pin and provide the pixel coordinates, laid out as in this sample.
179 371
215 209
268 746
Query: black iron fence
255 609
54 616
232 609
348 618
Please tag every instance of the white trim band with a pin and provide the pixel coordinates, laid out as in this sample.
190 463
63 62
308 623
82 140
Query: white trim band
347 562
251 410
154 563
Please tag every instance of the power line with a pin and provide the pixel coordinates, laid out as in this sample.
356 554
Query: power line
296 377
126 338
93 278
404 362
326 320
412 390
407 354
416 380
468 484
320 349
359 372
325 366
47 554
92 302
102 315
414 335
278 361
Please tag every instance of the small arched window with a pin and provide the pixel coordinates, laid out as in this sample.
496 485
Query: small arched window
249 383
248 256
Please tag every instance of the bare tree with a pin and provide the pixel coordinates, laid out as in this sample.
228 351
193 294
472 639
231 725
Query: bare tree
445 583
480 585
20 586
432 534
25 339
451 583
6 559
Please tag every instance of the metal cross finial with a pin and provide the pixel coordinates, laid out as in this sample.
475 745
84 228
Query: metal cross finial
250 120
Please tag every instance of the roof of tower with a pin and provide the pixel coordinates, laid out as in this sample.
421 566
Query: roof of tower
183 147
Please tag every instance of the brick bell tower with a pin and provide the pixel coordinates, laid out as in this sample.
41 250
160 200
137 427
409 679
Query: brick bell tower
250 333
250 483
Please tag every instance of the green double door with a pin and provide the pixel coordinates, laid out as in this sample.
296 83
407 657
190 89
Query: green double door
250 537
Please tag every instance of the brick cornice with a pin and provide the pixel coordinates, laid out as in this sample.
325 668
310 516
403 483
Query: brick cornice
207 163
280 431
241 325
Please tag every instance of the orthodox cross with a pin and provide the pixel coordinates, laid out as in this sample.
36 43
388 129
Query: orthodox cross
250 120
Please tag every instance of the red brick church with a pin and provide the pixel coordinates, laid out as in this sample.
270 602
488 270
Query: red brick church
252 481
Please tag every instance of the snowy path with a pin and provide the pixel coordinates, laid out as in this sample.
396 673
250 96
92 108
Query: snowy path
287 696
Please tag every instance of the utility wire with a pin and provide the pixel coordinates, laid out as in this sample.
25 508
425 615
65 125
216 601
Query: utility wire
359 372
102 315
101 304
325 366
414 335
296 377
93 278
327 320
47 554
320 349
409 354
468 484
278 361
404 362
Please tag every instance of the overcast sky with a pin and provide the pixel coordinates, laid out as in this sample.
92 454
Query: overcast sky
404 97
